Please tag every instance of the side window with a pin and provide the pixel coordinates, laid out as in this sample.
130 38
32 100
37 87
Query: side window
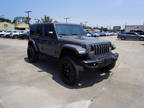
132 33
49 30
39 30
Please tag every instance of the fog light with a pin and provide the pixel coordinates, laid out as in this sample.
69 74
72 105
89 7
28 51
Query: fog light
95 64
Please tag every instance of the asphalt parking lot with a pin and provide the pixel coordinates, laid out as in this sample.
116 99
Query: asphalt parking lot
25 85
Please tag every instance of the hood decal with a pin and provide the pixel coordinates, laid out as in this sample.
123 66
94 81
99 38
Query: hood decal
71 42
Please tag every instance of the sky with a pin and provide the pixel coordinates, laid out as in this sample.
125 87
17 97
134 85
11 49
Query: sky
105 13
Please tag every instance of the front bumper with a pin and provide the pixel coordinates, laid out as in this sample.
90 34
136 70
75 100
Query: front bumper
100 62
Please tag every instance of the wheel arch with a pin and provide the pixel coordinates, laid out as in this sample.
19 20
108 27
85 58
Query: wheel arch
66 51
72 50
32 42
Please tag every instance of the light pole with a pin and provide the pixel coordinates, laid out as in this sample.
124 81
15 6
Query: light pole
28 15
66 19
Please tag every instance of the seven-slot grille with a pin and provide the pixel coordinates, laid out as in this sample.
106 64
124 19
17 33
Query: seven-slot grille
101 48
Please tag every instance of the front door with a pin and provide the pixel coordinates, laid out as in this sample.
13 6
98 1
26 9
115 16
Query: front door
49 40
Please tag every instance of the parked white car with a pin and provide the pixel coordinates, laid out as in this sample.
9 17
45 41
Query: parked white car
14 34
24 34
6 34
97 34
2 32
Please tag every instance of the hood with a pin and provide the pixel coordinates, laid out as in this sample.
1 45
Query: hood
82 40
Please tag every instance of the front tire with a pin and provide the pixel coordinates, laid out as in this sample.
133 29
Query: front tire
141 39
123 38
68 71
32 54
7 36
15 36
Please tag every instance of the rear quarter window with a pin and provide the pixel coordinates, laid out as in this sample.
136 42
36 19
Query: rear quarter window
49 28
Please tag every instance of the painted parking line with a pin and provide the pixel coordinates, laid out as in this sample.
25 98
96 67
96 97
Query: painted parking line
79 104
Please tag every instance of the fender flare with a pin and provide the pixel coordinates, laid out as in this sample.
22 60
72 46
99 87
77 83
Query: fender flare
75 48
34 44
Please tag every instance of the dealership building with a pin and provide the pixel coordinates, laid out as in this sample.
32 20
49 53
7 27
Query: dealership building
10 26
6 26
128 28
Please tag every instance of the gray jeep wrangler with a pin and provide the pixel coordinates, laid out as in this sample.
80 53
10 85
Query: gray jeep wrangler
69 44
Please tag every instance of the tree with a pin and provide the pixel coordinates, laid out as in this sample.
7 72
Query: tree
21 19
55 21
5 20
103 29
37 21
27 20
46 19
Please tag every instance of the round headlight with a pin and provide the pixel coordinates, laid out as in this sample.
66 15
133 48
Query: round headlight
113 47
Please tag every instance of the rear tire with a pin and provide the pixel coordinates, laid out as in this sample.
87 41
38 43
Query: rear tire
7 36
141 39
68 71
123 38
33 56
15 37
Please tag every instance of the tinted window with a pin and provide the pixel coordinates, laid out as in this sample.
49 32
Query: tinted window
49 28
141 33
36 30
131 33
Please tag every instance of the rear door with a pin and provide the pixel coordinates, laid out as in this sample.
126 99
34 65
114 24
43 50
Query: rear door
133 35
40 36
129 35
36 34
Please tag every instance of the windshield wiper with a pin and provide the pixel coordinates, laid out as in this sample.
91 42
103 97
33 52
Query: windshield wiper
75 34
63 34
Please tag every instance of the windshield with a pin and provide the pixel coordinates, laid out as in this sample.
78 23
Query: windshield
65 29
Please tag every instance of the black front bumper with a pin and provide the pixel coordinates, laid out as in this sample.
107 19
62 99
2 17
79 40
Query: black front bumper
100 62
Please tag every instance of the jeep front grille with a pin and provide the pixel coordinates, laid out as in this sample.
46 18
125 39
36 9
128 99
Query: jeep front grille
101 48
